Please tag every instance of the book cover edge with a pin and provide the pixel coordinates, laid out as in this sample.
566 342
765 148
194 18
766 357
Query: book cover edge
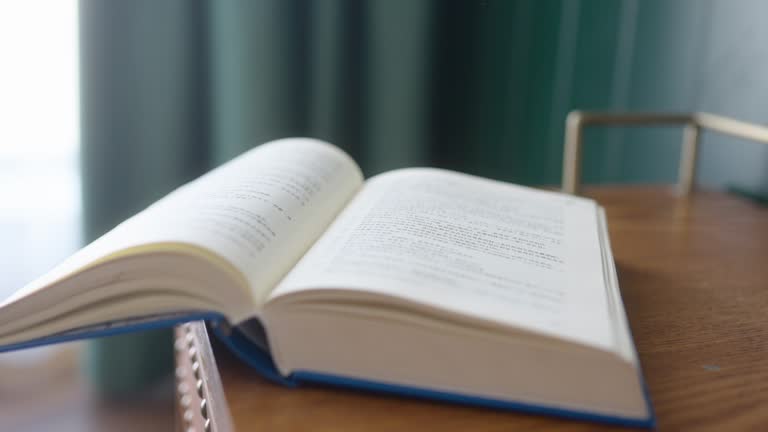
114 328
262 362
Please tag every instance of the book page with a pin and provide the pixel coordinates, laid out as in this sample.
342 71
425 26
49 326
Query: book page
260 212
477 247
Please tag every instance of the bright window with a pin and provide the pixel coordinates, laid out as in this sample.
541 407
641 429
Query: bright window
39 138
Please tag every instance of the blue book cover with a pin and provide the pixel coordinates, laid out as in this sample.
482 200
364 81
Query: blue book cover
115 328
262 363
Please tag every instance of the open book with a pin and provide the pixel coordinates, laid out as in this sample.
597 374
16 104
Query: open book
420 281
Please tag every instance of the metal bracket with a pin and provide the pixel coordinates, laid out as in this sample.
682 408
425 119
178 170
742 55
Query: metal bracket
693 124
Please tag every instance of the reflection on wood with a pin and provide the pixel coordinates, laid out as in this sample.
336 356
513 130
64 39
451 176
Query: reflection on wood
44 389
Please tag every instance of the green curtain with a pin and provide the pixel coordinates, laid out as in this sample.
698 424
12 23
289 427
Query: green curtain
143 133
173 88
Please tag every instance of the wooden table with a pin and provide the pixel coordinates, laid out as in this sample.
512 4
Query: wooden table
694 278
46 389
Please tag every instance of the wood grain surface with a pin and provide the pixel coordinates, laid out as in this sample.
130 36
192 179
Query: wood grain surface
694 278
